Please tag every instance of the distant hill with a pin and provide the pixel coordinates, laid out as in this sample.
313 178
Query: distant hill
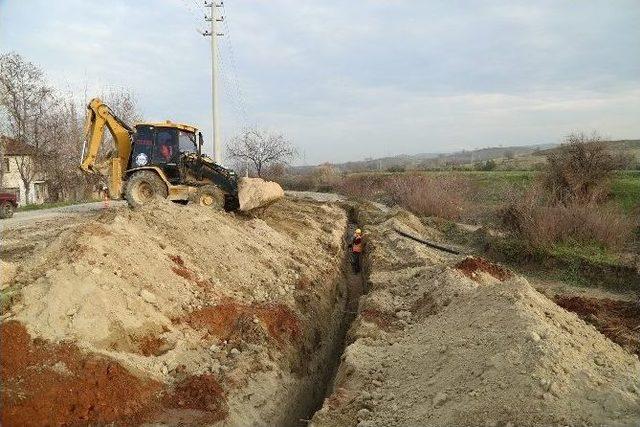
431 160
522 157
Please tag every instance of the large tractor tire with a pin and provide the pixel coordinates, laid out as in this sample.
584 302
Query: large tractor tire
210 196
6 210
145 187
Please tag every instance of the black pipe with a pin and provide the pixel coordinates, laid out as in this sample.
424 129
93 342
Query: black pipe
424 242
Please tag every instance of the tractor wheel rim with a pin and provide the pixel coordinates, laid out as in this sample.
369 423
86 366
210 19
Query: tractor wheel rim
145 191
206 200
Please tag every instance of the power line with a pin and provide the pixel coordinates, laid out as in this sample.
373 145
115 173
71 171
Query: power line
231 90
228 86
234 68
191 10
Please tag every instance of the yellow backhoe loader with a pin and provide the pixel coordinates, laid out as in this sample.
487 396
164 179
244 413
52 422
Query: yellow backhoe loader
161 160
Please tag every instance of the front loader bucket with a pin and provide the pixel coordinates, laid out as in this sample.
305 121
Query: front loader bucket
256 192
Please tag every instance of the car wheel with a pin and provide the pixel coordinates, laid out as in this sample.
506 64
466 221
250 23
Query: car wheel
6 210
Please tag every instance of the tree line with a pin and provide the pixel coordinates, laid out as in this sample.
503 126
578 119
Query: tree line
50 123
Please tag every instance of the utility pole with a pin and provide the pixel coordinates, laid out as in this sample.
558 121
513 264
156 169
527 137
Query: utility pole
213 33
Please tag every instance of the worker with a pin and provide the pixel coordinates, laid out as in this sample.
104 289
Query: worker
165 152
164 146
356 246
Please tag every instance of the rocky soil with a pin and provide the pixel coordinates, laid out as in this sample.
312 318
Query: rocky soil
175 314
448 340
180 315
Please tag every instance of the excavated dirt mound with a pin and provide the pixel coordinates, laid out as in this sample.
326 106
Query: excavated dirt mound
470 266
56 384
176 314
618 320
441 340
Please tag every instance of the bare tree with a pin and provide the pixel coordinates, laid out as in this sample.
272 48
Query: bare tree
65 179
580 170
124 104
27 102
261 148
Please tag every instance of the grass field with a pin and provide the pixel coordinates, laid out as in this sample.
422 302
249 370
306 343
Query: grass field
494 186
36 207
626 190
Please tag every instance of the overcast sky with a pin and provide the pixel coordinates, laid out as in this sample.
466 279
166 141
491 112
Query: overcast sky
347 80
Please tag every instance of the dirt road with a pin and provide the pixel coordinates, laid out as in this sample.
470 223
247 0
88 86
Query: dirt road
21 219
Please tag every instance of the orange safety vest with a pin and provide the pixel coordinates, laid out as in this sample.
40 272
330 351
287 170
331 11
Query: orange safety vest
357 245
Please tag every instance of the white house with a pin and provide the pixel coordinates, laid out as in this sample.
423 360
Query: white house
16 157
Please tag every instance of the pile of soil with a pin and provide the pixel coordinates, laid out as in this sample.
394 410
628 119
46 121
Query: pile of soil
471 265
441 340
54 384
200 314
616 319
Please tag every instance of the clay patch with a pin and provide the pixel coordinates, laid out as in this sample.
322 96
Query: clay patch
382 320
181 270
56 384
201 393
229 319
617 320
76 389
470 266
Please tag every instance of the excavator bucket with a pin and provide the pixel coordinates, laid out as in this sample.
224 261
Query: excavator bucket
257 193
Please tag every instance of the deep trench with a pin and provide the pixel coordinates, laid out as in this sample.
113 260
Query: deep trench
354 288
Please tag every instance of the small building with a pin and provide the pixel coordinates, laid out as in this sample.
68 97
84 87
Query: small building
18 160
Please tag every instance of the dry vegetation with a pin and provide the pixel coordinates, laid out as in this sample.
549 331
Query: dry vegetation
569 201
541 223
578 213
444 197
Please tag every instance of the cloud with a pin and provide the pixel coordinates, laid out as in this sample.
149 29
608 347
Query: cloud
347 80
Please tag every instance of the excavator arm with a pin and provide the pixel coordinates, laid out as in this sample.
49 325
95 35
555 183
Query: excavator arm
99 116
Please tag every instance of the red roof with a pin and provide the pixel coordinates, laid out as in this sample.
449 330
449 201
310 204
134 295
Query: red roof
12 147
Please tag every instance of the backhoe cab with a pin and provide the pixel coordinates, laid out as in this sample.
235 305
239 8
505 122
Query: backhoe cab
155 161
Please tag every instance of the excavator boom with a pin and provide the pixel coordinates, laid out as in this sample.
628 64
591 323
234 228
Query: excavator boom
99 116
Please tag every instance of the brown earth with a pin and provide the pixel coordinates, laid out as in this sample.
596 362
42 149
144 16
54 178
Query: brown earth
441 340
618 320
175 314
472 266
202 393
183 316
57 384
226 320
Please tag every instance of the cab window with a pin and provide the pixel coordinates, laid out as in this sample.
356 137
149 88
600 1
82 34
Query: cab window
165 146
187 142
142 146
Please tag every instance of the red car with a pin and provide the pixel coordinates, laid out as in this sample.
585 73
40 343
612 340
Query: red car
8 204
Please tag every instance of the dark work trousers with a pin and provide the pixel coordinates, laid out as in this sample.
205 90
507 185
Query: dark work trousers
355 262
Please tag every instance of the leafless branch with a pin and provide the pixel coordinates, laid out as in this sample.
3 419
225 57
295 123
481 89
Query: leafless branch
261 148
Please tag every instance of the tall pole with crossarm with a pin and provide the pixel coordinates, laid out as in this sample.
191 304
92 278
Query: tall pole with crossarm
213 33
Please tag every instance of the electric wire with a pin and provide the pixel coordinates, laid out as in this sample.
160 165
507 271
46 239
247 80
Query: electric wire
191 10
234 66
229 75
